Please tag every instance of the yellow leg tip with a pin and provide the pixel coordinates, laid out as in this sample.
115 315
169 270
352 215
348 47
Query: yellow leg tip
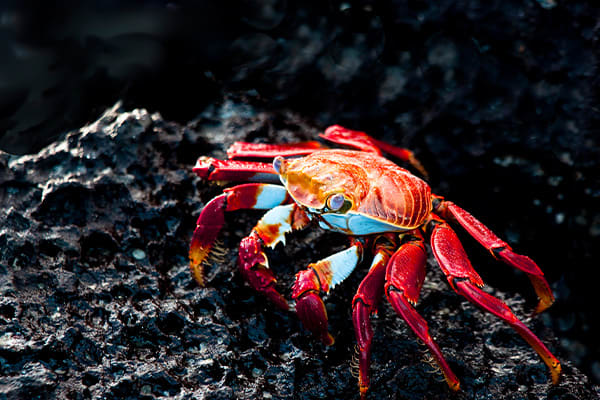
328 340
543 305
363 392
454 386
555 371
198 256
198 273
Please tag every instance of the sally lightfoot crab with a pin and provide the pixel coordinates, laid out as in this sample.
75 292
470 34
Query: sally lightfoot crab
385 211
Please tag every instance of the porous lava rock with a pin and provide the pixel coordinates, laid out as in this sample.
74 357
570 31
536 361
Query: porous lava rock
96 299
500 100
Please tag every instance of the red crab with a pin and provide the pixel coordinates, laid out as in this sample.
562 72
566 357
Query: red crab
384 209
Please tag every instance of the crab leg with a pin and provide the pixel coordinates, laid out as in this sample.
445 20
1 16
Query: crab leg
365 303
404 278
213 169
212 218
318 277
500 250
269 231
266 150
455 264
360 140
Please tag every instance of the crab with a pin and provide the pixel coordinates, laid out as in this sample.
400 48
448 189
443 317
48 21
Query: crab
383 209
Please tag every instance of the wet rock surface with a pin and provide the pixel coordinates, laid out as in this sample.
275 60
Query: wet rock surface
96 299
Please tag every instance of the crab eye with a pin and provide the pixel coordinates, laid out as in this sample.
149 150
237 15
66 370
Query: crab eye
277 162
336 201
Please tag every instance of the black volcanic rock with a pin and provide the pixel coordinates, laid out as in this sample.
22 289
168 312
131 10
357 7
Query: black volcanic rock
96 299
499 99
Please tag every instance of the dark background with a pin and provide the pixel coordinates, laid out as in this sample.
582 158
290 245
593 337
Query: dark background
498 98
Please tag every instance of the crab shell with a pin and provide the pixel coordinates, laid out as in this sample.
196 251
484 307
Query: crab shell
380 196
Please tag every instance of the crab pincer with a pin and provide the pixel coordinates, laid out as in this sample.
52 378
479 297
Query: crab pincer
212 218
253 266
321 277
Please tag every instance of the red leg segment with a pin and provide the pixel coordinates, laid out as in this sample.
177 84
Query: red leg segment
501 250
212 218
270 230
321 277
364 142
404 278
213 169
266 150
453 260
365 303
208 226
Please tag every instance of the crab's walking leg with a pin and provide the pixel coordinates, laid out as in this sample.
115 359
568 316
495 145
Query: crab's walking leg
499 249
365 303
404 278
267 150
270 230
213 169
362 141
319 277
453 260
211 219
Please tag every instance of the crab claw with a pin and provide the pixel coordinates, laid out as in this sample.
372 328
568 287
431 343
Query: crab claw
210 222
254 268
258 196
309 306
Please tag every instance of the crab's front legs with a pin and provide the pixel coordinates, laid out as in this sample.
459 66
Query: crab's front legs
499 248
270 230
212 218
318 278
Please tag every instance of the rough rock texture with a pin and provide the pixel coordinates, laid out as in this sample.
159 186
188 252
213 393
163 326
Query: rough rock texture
500 99
96 300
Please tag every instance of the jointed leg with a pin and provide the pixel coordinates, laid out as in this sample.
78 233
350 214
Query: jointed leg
268 150
212 217
453 260
213 169
365 303
499 249
404 278
364 142
335 133
323 276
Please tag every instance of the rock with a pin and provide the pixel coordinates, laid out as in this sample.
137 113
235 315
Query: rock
85 315
500 103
